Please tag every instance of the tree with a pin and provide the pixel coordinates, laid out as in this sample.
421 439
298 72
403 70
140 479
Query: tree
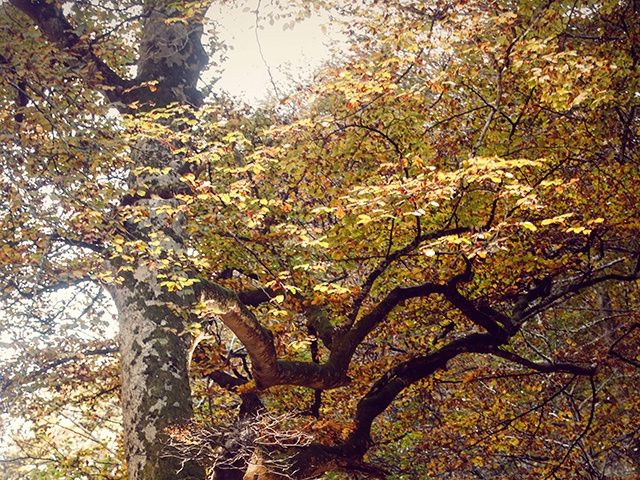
404 274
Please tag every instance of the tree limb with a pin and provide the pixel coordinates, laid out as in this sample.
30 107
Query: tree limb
389 386
380 269
50 19
270 371
559 367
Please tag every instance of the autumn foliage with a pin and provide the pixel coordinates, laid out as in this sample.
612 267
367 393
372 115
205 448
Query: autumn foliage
424 265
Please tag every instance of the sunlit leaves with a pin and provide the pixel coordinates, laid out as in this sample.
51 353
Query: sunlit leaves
498 138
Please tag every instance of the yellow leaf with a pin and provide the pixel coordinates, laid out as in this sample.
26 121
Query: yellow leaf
529 226
363 219
558 219
279 298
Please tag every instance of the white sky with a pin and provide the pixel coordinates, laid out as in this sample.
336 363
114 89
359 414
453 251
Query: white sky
293 55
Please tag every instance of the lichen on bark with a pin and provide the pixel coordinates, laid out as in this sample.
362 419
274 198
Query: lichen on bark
155 383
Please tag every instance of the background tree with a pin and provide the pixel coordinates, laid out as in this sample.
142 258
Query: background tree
404 275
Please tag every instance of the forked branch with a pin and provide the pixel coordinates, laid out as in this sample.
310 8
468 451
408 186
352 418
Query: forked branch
50 19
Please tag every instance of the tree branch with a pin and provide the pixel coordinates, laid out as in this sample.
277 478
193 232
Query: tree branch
243 323
380 269
50 19
556 367
269 371
255 297
387 388
524 309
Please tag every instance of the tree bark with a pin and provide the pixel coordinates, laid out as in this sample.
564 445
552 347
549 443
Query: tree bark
155 379
153 344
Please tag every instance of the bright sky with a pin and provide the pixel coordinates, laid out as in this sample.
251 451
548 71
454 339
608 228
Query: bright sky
293 55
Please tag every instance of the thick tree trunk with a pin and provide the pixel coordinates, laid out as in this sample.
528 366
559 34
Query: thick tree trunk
153 347
153 343
155 380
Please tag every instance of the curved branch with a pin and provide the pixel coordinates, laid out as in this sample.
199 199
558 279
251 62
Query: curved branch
525 310
257 296
50 19
556 367
270 371
243 323
494 322
389 386
380 269
491 320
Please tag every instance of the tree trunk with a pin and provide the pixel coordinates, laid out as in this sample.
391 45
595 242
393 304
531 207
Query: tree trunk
153 343
155 380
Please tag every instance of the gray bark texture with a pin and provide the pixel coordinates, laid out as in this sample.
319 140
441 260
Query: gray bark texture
155 381
153 344
153 347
